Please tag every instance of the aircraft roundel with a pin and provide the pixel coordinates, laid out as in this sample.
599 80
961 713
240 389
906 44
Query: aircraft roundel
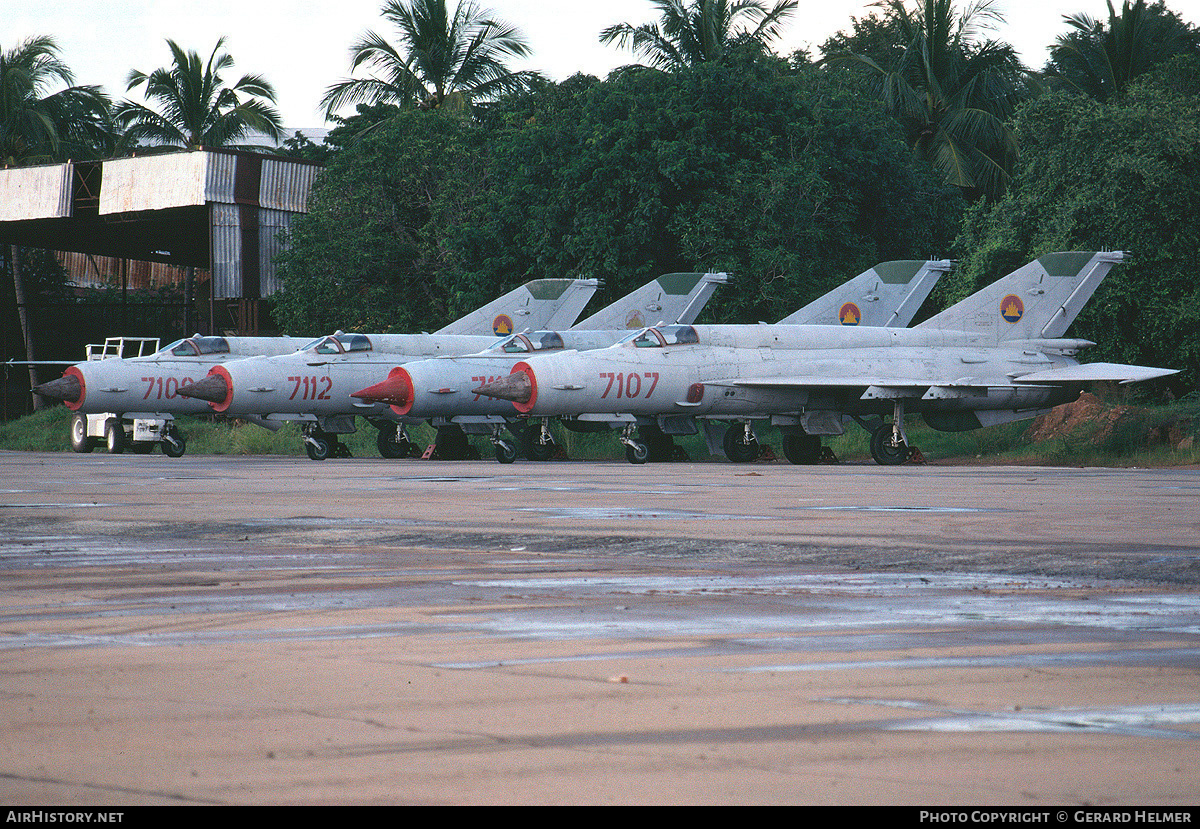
635 320
502 325
850 314
1011 308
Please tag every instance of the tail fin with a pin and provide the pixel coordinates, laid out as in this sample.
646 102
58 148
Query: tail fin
538 305
1037 301
672 298
885 296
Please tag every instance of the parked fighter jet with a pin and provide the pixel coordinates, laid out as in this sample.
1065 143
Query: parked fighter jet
886 295
313 386
995 357
114 397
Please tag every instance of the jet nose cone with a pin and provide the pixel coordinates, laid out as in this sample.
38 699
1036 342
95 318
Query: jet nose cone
212 388
515 387
65 388
393 391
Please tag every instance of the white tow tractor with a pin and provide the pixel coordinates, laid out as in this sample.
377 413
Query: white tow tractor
137 431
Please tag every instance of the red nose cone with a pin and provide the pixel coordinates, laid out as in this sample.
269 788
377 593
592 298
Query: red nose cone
396 391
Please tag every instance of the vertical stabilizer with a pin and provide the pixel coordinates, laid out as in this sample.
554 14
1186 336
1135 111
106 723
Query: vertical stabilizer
885 296
671 298
1039 300
543 304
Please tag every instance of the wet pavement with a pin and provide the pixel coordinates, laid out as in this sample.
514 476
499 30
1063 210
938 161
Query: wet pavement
273 630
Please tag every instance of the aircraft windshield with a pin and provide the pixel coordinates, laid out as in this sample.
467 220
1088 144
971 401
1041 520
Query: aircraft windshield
340 344
354 342
537 341
212 345
679 334
661 337
195 346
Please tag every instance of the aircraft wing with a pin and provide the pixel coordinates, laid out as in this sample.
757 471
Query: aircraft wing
932 388
1084 372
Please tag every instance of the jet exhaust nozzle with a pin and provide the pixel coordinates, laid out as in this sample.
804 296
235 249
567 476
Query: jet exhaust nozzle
515 387
65 388
212 388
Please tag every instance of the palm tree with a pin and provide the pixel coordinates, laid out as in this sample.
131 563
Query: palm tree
690 34
443 59
952 91
1100 60
196 108
36 127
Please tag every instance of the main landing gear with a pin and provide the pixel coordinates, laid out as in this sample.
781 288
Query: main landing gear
741 444
889 443
393 442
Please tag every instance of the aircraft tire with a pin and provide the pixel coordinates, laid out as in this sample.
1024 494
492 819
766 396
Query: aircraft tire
802 449
176 449
736 447
391 448
637 452
882 450
114 436
317 449
80 442
538 451
505 451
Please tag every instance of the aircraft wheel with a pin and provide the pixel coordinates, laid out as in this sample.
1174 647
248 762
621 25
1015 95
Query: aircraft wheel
801 448
317 449
539 451
391 448
505 451
175 447
737 449
662 447
884 451
114 436
80 442
637 452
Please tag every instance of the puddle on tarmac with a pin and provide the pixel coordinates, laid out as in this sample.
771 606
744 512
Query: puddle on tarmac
611 513
1137 720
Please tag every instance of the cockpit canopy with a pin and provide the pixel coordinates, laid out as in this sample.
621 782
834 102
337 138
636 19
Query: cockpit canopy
665 335
529 343
339 344
196 346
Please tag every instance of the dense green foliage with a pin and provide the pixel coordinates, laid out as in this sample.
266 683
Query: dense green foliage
1123 175
790 180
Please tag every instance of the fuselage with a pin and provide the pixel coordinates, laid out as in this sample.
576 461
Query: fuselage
151 384
756 371
318 381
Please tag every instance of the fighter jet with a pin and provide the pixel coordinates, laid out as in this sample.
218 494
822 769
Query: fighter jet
886 295
114 398
997 356
313 386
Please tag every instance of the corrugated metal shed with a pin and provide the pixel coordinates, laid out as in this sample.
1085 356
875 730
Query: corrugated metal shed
213 209
35 192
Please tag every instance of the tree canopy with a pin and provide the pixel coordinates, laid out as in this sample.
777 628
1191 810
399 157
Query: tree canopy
443 57
791 181
1123 175
195 106
690 33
